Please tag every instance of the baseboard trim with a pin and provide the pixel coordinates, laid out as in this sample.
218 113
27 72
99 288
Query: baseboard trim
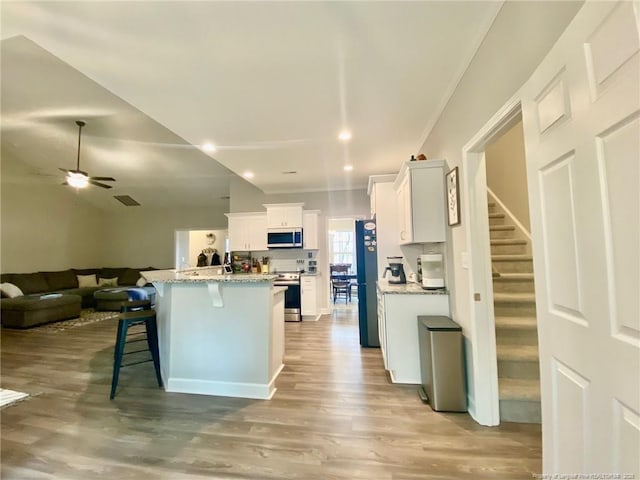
224 389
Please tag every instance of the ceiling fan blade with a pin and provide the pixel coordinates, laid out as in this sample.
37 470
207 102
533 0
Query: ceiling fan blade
63 170
104 179
98 184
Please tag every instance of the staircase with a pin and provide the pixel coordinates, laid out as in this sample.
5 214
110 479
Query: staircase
515 316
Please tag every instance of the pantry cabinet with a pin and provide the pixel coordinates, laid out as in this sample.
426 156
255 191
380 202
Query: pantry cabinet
421 202
247 231
284 215
310 229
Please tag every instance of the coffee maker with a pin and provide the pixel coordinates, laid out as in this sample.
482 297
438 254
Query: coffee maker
397 271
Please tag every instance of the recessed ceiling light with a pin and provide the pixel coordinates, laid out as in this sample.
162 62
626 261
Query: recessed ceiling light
345 135
348 168
208 147
247 174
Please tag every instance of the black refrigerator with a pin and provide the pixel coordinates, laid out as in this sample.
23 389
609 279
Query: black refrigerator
367 275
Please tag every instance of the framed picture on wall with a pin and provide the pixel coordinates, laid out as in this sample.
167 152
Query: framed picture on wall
453 197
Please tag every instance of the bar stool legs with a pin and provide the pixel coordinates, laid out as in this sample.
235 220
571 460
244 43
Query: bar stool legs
135 313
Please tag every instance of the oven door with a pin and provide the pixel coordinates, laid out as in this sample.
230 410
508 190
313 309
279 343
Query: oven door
292 301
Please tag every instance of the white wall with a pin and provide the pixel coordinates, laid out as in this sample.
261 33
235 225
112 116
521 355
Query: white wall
48 227
145 237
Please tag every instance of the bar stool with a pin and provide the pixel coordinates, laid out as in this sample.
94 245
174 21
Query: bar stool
135 312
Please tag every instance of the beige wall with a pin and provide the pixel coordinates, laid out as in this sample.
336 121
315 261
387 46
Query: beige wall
507 173
141 237
48 227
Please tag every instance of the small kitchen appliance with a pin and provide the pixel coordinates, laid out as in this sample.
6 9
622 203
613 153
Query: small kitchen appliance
432 270
397 271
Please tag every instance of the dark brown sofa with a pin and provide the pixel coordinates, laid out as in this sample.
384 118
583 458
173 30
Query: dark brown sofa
36 307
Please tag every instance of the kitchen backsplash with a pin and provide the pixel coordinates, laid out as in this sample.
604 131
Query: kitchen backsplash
286 260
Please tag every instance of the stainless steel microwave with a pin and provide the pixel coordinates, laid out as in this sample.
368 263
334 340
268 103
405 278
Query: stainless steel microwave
284 238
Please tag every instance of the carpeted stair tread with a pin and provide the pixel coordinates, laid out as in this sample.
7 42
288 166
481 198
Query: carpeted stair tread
500 228
518 389
517 323
514 257
515 276
517 353
520 297
508 241
496 215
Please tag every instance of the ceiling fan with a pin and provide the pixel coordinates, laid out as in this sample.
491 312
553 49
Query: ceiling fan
79 179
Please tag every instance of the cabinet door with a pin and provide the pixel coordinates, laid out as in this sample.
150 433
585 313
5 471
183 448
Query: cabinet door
284 217
310 231
309 296
405 211
382 329
427 205
237 234
256 228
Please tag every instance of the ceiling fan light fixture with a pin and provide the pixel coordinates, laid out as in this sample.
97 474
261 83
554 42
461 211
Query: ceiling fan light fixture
77 180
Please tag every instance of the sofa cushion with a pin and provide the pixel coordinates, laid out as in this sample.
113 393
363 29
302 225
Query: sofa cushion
30 282
108 282
61 280
109 272
86 271
87 280
9 290
129 277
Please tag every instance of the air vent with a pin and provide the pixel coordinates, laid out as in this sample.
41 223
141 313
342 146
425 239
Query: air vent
126 200
290 172
225 197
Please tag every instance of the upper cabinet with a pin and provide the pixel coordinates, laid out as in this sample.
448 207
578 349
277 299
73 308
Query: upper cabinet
420 197
284 215
310 229
247 231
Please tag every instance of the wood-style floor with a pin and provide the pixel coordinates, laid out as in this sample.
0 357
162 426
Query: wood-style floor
335 416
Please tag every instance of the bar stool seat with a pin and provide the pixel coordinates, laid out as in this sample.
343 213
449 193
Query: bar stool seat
135 312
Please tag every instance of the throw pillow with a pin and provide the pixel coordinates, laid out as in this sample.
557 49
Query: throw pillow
141 282
108 282
87 281
10 290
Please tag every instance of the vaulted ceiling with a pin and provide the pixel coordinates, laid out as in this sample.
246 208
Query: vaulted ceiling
271 84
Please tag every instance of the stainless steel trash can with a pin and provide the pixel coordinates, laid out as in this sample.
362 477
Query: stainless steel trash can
442 363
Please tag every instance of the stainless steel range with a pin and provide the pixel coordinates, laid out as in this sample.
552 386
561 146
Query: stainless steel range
292 298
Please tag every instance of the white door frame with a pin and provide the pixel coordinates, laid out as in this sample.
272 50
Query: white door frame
484 404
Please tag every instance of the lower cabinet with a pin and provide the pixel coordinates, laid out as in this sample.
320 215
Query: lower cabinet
309 295
398 330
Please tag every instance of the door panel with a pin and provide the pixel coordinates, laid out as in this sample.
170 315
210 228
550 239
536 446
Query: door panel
581 111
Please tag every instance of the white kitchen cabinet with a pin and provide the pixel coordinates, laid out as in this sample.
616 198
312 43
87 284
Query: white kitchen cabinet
284 215
247 231
310 229
421 202
398 330
309 294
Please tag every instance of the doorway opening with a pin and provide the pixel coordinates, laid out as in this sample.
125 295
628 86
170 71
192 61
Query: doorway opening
512 277
341 258
192 243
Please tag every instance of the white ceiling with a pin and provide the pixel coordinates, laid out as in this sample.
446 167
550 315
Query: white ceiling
270 83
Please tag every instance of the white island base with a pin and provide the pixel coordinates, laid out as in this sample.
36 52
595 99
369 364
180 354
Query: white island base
220 336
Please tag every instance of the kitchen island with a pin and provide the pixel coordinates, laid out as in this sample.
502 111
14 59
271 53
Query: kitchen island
219 334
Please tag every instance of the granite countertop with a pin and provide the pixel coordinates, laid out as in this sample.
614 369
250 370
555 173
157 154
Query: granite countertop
194 276
407 288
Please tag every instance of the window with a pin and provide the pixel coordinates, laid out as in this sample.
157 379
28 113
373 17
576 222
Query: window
342 248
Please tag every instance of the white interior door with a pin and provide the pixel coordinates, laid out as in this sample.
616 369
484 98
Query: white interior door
581 112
